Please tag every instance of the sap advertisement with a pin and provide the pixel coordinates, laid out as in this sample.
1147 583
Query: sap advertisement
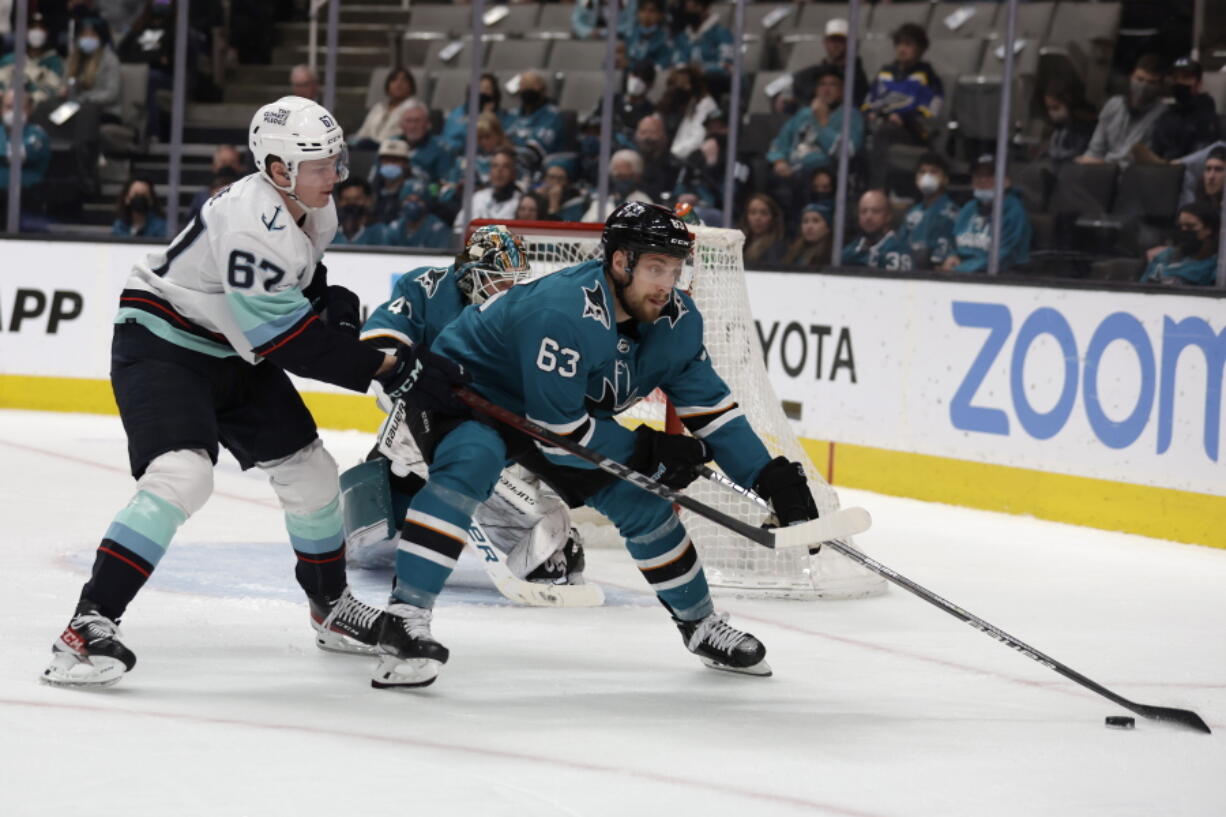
1119 386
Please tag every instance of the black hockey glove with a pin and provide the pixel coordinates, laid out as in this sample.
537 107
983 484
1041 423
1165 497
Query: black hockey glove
783 483
425 380
343 311
317 292
673 459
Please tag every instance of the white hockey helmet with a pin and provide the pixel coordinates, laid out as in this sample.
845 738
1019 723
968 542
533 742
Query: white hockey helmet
294 130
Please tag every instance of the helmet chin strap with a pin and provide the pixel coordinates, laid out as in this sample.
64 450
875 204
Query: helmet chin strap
619 289
290 191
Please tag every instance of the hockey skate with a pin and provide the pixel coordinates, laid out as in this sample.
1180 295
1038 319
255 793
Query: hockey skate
408 654
88 653
723 647
345 625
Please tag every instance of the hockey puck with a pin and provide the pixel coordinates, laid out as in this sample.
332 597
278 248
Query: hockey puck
1121 722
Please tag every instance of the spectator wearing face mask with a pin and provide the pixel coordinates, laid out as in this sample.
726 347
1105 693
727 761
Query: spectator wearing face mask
685 106
390 180
489 101
138 213
227 168
587 19
1191 123
632 105
36 147
418 227
92 80
705 43
151 40
383 119
625 181
536 121
660 169
700 183
44 69
501 198
1126 120
353 211
879 245
1193 257
649 38
973 229
928 227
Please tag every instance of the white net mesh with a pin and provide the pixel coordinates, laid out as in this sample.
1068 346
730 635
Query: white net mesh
717 283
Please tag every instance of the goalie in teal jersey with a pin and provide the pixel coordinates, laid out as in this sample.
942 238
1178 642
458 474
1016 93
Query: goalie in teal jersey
570 350
523 518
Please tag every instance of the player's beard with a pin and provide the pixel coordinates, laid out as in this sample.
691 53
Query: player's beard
640 307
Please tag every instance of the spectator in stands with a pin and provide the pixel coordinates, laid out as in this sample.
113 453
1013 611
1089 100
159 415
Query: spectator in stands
879 244
706 44
391 180
907 94
138 213
649 39
1128 119
822 189
1194 172
1213 178
1068 126
1188 125
151 41
304 82
418 227
536 121
44 69
120 15
562 201
804 81
587 19
92 80
973 229
700 182
812 248
455 130
633 104
429 159
684 107
532 207
36 146
1193 258
383 119
500 199
660 169
928 227
762 224
227 168
625 184
354 202
810 139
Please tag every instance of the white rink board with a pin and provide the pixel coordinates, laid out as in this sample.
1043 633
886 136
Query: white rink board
918 385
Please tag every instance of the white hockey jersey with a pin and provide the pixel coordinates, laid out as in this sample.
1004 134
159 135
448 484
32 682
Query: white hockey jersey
231 282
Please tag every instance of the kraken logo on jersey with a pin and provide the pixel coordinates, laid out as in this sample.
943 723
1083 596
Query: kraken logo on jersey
594 305
618 395
431 278
674 310
271 223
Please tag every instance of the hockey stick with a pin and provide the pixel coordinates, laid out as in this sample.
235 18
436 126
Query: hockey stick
1184 717
845 522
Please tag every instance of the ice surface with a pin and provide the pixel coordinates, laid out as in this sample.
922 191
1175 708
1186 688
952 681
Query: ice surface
878 707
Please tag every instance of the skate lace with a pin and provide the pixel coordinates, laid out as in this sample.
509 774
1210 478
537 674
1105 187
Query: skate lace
414 620
356 612
717 633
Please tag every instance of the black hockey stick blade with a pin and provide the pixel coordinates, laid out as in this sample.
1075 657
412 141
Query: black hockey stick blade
843 523
1183 717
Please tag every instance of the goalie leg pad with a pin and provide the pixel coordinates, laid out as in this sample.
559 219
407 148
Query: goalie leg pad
366 505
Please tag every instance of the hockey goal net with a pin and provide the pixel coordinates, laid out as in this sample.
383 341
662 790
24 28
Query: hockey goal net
716 280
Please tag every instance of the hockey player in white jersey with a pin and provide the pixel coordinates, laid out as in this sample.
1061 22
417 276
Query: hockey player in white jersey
524 518
205 333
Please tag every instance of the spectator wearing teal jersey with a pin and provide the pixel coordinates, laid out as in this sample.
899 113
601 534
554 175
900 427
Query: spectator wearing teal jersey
428 157
536 122
973 229
353 211
489 100
649 39
1193 258
706 43
928 227
35 146
879 245
138 213
418 227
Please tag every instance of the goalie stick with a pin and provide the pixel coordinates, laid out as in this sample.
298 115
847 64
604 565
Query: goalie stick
1183 717
841 523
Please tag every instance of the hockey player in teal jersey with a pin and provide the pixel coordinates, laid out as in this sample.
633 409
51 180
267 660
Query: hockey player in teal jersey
523 519
569 351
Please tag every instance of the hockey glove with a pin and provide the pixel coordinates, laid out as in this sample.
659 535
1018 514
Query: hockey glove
344 311
673 459
783 483
425 380
317 291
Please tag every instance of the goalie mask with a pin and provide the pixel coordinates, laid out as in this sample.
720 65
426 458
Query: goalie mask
294 130
492 260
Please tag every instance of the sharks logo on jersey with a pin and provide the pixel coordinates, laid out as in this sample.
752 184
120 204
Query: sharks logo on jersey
674 310
616 395
431 278
594 305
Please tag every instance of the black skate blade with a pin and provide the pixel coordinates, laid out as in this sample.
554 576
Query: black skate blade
760 669
380 685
